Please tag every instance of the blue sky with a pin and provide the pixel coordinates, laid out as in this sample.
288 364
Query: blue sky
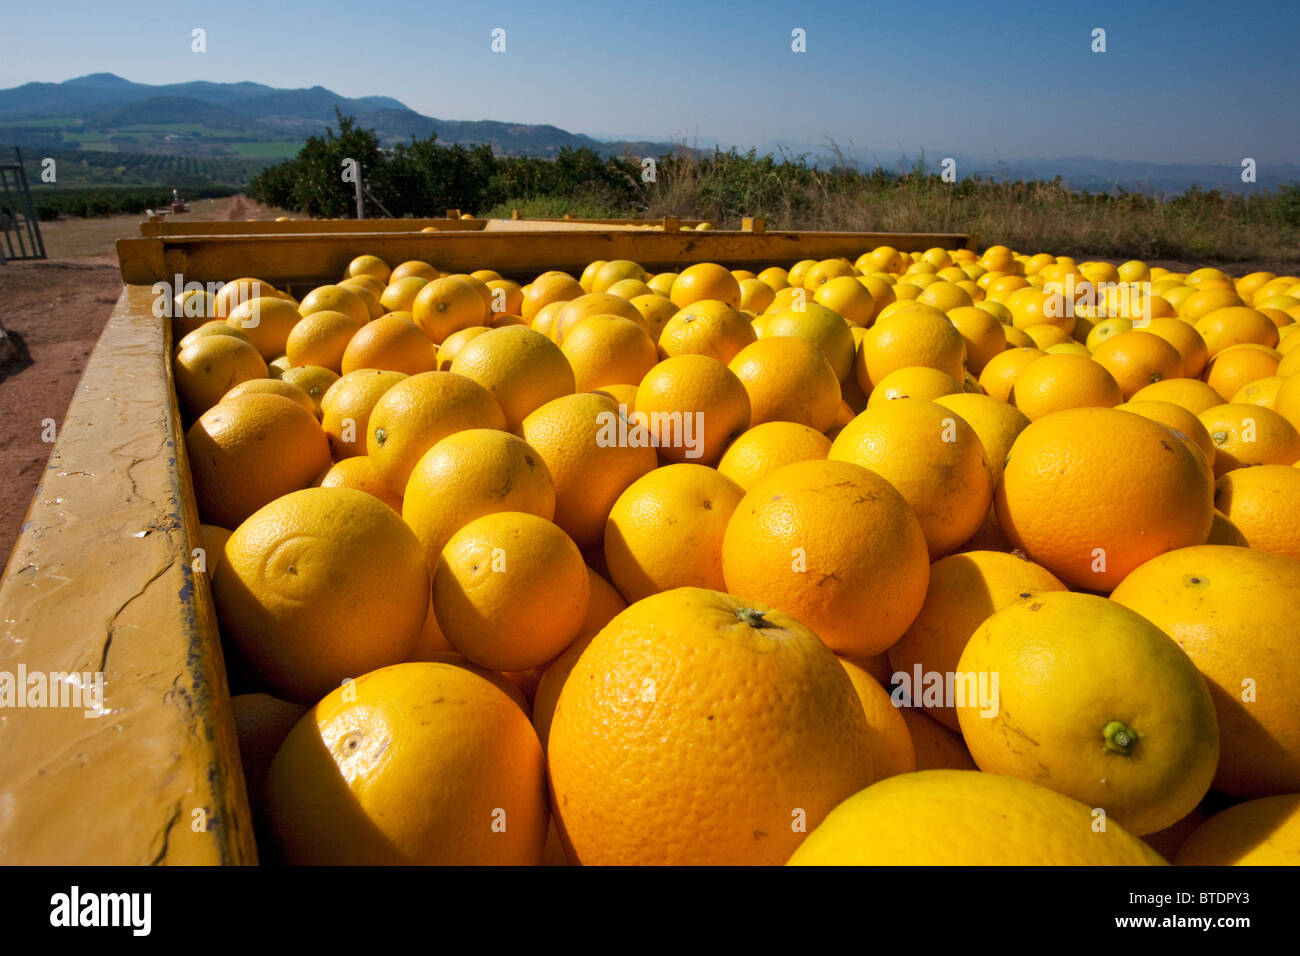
1180 81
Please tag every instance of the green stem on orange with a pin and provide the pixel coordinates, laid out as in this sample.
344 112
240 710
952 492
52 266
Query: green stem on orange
753 618
1119 738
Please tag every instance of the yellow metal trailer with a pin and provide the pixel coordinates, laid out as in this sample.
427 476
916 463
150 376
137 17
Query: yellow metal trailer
103 577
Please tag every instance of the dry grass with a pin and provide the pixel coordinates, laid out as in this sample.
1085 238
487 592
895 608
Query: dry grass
1032 217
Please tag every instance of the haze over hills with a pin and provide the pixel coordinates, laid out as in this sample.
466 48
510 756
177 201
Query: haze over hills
255 122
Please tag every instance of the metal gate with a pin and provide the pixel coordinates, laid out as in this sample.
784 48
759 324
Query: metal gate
18 226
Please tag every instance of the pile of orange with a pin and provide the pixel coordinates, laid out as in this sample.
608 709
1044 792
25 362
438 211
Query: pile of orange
909 558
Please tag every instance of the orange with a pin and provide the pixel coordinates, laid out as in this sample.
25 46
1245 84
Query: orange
604 605
1183 421
825 271
705 280
954 818
1203 302
231 294
1263 832
272 386
368 293
1233 611
510 590
248 451
630 289
1137 359
359 473
399 295
261 724
335 298
665 530
775 278
267 321
1119 717
662 283
389 343
1183 336
545 319
996 424
1191 394
932 457
882 293
589 274
624 395
212 327
820 326
1287 400
655 310
755 295
916 382
589 470
1250 435
369 266
1224 531
447 305
507 296
446 352
1031 307
313 380
1056 382
706 327
702 728
1235 367
999 374
347 406
1091 493
691 407
848 298
320 585
880 259
788 298
945 296
469 474
210 366
789 380
936 747
907 339
1018 339
586 306
413 268
337 795
984 335
965 589
608 350
321 339
614 271
418 412
480 287
764 448
520 368
1235 326
1264 505
889 739
834 545
1047 337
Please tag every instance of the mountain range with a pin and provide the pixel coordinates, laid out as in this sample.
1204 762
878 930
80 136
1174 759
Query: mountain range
252 121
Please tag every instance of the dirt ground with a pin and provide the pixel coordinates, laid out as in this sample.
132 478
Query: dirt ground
54 311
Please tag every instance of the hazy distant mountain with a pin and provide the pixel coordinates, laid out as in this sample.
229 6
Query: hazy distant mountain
210 118
253 121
